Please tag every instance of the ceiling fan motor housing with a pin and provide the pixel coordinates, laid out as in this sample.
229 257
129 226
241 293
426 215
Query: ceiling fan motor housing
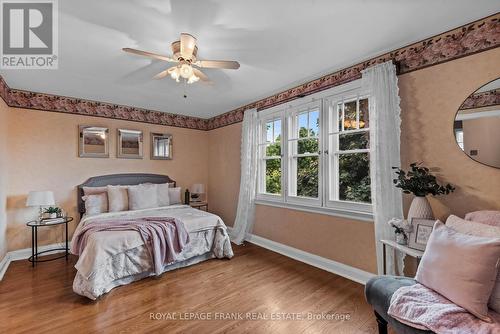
176 51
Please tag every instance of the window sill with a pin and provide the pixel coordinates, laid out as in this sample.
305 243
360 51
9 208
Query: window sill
343 213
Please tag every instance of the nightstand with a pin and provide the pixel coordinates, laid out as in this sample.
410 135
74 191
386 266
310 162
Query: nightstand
34 239
417 254
199 205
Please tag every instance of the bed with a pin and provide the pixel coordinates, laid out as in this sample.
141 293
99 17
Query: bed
115 258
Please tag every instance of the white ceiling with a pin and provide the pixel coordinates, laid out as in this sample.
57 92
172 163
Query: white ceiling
279 43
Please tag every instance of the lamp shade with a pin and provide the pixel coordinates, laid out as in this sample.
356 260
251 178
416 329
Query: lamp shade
198 188
40 198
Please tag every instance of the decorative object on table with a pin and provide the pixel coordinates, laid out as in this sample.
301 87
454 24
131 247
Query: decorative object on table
197 190
161 146
420 182
52 212
401 229
40 199
34 239
129 144
93 142
186 197
420 233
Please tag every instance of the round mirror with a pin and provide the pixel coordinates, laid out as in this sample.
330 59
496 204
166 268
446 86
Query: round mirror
477 125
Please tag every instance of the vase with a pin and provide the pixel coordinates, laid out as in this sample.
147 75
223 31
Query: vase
401 239
420 208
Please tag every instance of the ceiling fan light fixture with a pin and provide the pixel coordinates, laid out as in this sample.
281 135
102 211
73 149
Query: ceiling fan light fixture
186 71
192 79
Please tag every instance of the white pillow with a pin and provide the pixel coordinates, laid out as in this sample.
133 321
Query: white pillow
117 198
95 204
479 230
175 195
163 194
142 196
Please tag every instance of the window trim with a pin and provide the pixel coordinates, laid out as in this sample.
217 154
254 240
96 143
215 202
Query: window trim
344 209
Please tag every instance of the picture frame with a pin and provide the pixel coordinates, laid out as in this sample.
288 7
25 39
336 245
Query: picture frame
161 146
93 141
130 144
420 233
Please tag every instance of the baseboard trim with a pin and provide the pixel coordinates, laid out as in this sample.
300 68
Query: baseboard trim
25 253
354 274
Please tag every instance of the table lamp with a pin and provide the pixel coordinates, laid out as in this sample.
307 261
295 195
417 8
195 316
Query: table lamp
196 190
40 199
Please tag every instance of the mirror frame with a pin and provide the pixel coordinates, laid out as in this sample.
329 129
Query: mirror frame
168 136
81 144
455 120
119 153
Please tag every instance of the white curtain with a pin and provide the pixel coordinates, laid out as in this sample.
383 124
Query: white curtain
246 206
385 121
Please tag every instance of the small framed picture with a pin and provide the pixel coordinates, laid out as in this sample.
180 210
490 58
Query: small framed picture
421 231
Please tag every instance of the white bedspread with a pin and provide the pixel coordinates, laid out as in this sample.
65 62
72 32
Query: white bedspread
104 248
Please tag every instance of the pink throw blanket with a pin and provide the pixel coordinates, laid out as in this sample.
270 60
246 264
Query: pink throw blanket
423 308
163 237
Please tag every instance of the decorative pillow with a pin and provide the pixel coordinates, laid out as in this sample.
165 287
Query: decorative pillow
479 230
95 204
485 217
460 267
94 190
163 194
175 195
117 198
142 196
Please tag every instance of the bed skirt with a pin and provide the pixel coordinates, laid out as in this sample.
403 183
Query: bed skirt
135 264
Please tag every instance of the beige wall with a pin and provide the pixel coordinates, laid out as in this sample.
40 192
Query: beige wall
3 177
429 101
224 167
43 155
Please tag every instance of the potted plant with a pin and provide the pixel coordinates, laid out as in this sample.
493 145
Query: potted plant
420 182
401 230
52 212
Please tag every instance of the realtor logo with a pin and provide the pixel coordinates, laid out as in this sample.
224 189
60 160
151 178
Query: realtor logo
29 34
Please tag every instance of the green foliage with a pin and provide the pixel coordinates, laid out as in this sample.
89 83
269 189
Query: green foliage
354 169
420 182
51 209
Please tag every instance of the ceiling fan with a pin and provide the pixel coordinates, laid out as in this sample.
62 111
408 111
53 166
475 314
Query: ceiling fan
184 53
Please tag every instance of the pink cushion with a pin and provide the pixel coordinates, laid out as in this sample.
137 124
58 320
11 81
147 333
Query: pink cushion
460 267
479 230
486 217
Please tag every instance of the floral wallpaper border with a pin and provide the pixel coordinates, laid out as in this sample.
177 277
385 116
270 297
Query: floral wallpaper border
54 103
472 38
483 99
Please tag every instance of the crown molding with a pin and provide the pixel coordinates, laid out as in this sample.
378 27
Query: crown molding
475 37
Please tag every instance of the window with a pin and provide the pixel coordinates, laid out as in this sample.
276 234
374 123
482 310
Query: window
270 169
303 152
349 144
315 155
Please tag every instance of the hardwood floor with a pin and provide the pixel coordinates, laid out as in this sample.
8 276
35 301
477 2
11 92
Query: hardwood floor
256 282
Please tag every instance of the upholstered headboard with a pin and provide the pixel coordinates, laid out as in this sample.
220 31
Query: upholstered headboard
118 179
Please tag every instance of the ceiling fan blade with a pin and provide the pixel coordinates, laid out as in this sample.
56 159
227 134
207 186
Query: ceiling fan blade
232 65
200 74
188 44
149 54
163 74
